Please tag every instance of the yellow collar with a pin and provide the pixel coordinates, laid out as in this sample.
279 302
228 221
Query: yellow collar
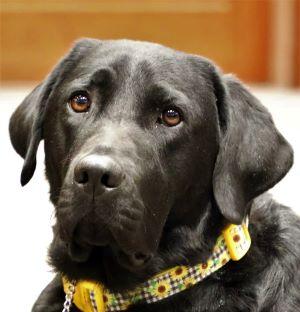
88 296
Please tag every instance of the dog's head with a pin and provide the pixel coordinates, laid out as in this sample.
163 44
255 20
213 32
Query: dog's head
140 139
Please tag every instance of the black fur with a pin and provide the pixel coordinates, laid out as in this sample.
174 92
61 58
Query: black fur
182 185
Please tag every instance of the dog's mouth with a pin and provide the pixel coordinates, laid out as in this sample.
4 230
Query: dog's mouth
123 231
131 261
85 241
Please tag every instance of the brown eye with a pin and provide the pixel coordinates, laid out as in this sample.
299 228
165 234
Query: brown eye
171 117
80 103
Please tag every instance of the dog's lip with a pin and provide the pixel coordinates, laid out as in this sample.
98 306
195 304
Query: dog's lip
78 252
91 234
92 242
80 247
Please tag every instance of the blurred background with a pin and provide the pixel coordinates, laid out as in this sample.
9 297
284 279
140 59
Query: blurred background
259 41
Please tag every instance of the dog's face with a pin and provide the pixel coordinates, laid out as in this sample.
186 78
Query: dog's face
120 132
140 139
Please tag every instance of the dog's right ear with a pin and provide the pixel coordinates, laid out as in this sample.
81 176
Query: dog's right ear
26 123
25 130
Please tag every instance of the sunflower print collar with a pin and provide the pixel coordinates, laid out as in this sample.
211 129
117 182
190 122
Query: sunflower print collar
88 296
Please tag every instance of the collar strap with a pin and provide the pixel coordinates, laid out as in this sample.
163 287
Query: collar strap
232 244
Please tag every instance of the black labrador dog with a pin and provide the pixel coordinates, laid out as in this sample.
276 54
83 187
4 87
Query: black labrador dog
149 153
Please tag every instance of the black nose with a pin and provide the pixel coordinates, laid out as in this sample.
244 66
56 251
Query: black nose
96 174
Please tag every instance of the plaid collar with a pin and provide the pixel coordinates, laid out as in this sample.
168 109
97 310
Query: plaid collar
88 296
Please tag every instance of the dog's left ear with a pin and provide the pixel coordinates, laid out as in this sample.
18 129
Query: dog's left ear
253 156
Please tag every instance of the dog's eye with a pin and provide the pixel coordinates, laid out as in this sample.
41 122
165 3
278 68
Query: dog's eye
80 103
171 117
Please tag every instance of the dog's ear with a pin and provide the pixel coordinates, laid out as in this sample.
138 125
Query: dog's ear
26 123
253 156
25 130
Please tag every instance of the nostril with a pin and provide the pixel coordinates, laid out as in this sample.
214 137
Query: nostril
112 179
82 177
105 180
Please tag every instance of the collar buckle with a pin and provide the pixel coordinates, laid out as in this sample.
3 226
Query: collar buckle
237 239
